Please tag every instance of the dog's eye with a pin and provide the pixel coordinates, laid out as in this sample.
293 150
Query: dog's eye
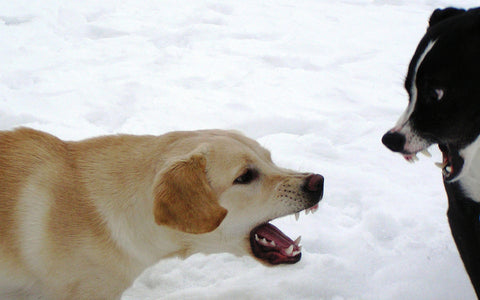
248 176
438 94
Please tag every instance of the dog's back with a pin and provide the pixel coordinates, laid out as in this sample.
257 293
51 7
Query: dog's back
23 153
39 230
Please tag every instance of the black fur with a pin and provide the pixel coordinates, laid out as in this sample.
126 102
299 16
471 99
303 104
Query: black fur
442 14
463 217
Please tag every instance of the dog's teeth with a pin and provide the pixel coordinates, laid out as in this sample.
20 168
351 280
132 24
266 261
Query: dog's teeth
257 238
264 242
297 241
295 253
426 153
297 216
289 250
415 158
307 211
440 165
410 159
448 169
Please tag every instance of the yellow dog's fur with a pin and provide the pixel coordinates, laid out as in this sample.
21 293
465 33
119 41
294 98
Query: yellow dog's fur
81 220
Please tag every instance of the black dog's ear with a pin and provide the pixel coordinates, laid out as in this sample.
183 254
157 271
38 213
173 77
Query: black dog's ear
439 14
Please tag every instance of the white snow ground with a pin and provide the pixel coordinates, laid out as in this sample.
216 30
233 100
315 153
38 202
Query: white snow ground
316 81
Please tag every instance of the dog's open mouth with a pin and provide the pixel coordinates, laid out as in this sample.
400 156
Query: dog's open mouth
452 162
270 244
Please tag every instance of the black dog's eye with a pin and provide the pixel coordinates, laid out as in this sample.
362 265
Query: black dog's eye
248 176
438 94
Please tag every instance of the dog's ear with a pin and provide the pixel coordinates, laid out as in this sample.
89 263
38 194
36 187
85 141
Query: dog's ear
439 14
184 199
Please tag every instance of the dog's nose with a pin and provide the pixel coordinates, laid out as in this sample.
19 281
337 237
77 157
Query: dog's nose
314 185
394 141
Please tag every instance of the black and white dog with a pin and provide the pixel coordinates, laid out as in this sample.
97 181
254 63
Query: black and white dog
443 84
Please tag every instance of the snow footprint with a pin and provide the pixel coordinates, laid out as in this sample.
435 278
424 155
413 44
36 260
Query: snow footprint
383 227
221 8
17 20
100 32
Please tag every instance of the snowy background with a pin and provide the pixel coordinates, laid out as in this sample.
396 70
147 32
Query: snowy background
316 81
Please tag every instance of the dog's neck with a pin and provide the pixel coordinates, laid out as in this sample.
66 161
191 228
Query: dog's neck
470 177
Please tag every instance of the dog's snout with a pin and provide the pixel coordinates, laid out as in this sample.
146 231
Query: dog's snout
394 141
314 185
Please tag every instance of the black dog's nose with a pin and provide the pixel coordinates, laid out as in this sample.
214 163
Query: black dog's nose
314 185
394 141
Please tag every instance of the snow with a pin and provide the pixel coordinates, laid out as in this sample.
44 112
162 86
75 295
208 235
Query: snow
315 81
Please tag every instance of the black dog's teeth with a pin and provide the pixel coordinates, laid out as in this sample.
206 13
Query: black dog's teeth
426 153
447 171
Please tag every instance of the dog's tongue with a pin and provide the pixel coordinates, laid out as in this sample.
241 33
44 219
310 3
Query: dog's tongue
271 244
